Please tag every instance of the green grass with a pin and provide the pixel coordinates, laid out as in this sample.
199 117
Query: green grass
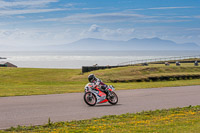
180 120
21 90
32 81
29 81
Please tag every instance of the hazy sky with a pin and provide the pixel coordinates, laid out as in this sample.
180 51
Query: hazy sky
54 22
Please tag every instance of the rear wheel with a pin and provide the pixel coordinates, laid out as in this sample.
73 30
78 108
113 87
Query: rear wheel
112 99
90 99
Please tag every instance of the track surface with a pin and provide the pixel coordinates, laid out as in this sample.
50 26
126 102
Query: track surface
35 110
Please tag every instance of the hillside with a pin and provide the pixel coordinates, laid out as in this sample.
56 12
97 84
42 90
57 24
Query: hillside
144 73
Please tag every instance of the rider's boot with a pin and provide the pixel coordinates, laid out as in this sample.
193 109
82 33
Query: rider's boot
108 92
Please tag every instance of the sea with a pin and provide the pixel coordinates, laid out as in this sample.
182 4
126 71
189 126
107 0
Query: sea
77 59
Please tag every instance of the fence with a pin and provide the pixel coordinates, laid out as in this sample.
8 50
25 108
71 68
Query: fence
129 63
156 60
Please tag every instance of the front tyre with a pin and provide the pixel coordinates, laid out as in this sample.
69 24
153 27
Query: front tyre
90 99
113 99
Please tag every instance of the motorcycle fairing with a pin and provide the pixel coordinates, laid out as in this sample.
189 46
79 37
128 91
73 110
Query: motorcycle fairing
101 97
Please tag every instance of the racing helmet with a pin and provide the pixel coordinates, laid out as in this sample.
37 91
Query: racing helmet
91 78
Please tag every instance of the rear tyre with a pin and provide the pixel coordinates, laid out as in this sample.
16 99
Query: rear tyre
113 99
90 99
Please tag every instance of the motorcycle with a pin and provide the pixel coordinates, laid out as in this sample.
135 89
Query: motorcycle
95 95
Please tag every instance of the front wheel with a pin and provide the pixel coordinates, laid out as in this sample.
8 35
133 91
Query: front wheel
90 99
112 99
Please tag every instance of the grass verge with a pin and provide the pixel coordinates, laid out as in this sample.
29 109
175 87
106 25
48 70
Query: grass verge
29 81
185 119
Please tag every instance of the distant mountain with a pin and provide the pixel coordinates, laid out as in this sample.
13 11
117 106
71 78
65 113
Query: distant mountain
159 44
132 44
93 44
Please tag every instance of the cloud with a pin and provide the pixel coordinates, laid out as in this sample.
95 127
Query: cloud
98 18
25 3
118 32
37 36
15 34
164 8
33 6
102 17
22 17
96 31
94 28
193 29
91 8
196 16
28 11
26 7
115 18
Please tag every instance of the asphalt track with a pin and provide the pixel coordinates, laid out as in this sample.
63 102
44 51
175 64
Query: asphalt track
35 110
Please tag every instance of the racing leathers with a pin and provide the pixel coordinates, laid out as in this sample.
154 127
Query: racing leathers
103 87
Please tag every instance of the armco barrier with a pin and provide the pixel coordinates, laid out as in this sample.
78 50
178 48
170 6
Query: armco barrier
168 59
143 62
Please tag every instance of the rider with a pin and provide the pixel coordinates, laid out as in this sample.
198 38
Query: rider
99 83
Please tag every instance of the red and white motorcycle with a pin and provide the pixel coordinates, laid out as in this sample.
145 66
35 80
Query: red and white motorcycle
95 95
